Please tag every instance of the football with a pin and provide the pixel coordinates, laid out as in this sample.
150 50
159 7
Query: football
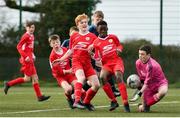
133 81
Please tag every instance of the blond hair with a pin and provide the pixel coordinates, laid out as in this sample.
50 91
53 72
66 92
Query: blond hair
80 17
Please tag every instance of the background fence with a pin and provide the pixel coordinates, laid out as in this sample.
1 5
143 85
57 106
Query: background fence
131 19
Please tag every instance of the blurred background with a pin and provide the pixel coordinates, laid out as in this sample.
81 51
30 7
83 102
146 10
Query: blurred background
135 22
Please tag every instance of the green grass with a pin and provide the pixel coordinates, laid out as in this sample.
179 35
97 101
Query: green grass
21 102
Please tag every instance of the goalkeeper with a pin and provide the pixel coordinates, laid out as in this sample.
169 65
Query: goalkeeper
155 84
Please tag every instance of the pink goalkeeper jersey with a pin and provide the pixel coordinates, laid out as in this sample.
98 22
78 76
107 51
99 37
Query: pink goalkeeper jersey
151 73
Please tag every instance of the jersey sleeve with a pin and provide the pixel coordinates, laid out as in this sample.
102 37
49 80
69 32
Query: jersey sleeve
71 40
21 46
117 43
56 69
97 52
138 69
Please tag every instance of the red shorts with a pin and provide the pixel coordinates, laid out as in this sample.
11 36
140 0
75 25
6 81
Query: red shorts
28 69
85 66
112 67
68 77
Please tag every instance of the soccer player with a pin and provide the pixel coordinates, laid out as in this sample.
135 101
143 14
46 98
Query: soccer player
72 30
62 71
81 62
155 84
107 48
26 47
98 16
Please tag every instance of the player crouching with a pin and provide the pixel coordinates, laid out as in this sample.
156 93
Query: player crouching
155 84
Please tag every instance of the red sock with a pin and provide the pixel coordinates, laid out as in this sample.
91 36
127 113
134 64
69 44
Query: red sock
15 81
78 91
83 94
152 100
107 89
89 96
37 89
122 89
68 96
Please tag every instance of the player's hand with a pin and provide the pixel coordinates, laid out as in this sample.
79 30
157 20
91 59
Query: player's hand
118 52
90 48
34 57
56 61
136 97
70 71
27 59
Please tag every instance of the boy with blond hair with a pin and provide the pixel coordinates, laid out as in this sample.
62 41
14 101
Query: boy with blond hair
81 62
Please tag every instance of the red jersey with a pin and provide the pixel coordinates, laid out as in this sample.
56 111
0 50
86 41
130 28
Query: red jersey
79 44
26 46
105 48
57 70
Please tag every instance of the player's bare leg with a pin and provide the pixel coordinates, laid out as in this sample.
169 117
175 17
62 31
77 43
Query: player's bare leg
68 92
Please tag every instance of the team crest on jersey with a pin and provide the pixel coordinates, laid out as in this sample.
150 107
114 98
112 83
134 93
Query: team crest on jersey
110 40
87 38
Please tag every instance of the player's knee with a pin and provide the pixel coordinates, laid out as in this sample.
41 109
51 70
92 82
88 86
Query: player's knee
95 86
119 76
68 90
163 91
35 80
27 79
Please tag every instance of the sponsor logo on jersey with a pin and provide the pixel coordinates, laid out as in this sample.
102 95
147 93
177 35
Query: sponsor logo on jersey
81 45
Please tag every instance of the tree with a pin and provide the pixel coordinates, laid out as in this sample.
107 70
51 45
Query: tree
56 16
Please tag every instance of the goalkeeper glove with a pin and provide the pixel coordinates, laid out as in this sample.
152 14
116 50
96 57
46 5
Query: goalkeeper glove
136 97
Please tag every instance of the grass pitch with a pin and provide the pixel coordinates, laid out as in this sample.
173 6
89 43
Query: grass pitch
21 102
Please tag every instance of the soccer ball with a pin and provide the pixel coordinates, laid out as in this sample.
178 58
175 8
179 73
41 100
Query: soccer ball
133 81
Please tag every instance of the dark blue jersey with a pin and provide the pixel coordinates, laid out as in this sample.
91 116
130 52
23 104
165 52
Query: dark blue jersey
93 30
65 43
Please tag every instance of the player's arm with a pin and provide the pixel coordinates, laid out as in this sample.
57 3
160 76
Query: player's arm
65 56
140 92
69 71
97 56
118 45
21 49
57 70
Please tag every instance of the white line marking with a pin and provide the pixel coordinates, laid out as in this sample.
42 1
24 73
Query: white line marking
45 110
